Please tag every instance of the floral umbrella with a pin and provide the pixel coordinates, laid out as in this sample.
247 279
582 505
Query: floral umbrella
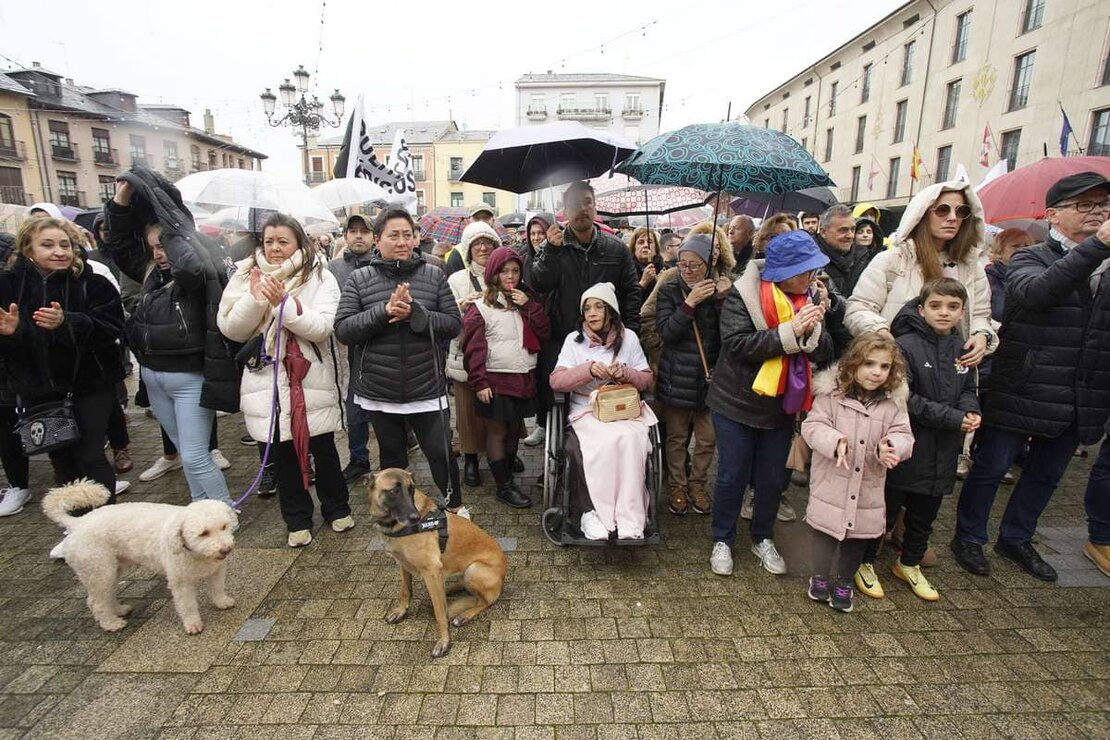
648 200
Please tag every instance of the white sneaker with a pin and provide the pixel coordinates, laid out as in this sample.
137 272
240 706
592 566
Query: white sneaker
12 500
58 552
592 527
746 505
160 467
463 512
786 511
122 486
536 438
721 559
769 557
221 462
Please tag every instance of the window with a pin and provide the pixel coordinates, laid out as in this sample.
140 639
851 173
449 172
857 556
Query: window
1106 69
907 63
102 145
854 195
632 101
828 144
601 101
107 187
418 167
1008 147
7 136
832 98
537 104
138 149
861 128
785 119
11 186
892 182
900 121
1033 15
421 203
59 140
67 189
1023 78
566 101
169 148
317 166
239 163
805 114
1099 145
944 163
766 123
194 156
805 143
456 200
865 85
455 169
959 44
490 198
951 104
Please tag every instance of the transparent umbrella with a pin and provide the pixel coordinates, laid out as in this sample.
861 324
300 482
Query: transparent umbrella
250 192
350 191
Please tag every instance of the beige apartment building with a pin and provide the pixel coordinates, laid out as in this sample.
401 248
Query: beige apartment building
65 143
938 73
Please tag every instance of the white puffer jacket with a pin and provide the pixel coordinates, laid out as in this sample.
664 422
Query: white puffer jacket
462 285
309 316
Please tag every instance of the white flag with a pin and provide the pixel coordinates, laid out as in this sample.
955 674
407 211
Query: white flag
993 174
961 174
356 156
400 163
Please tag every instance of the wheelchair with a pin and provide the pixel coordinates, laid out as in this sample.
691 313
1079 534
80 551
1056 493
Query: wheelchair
555 519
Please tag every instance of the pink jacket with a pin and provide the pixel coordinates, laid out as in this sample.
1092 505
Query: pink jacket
849 503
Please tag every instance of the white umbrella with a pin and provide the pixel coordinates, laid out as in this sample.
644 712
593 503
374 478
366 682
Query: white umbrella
249 191
351 191
11 216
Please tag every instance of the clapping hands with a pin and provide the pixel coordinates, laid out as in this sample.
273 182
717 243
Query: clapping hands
265 288
399 305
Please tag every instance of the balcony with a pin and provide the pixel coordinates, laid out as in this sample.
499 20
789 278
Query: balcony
139 158
173 166
13 194
455 173
106 157
420 175
13 151
633 114
64 153
72 198
537 114
315 178
584 114
197 166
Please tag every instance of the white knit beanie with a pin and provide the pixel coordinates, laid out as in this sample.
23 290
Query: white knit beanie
474 230
604 292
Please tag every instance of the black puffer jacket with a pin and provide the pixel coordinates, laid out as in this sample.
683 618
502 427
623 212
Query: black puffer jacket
939 398
395 362
745 344
1052 367
566 272
40 363
680 380
844 268
174 326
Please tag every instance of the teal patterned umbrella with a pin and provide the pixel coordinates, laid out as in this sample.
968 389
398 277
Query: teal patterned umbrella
726 156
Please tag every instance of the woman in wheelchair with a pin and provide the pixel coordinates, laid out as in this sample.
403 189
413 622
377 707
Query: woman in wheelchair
607 458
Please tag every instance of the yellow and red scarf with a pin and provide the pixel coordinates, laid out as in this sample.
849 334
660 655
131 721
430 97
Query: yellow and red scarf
776 373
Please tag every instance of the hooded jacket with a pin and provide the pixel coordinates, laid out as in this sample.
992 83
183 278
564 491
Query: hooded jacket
342 266
181 313
396 363
876 245
893 277
40 363
1052 368
680 380
844 268
851 503
525 249
746 342
940 395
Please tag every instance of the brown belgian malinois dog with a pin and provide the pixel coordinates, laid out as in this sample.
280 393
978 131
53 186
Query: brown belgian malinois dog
396 504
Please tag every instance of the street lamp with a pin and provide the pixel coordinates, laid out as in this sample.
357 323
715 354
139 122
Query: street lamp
301 112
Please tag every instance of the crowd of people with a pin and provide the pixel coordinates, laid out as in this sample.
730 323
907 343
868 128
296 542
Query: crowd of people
875 370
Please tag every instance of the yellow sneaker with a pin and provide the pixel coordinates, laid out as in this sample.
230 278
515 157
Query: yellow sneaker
299 538
867 582
912 575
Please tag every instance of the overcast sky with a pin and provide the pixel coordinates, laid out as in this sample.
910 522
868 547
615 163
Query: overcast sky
423 60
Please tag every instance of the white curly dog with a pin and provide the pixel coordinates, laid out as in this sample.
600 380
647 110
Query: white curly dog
187 544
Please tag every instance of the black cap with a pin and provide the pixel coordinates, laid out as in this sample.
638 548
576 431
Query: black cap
356 217
1073 185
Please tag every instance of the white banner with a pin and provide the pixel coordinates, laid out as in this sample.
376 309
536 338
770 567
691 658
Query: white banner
400 163
360 158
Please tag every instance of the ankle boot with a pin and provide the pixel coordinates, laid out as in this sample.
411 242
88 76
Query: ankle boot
507 490
471 476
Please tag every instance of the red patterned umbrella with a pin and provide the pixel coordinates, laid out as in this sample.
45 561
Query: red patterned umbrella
649 200
1020 194
446 224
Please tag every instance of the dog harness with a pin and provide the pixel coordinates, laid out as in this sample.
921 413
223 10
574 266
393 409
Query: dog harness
433 520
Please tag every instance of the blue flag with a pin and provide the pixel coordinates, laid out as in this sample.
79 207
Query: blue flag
1065 132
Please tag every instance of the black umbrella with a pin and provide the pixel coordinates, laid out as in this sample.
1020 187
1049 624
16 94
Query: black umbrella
814 200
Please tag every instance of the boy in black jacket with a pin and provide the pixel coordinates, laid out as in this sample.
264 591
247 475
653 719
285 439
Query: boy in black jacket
943 407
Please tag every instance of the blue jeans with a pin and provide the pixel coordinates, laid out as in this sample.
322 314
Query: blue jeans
175 398
358 432
1097 498
996 451
746 454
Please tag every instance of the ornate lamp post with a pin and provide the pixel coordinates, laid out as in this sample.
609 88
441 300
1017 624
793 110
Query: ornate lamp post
300 112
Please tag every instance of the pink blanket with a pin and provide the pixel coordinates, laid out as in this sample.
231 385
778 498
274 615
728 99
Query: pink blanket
614 457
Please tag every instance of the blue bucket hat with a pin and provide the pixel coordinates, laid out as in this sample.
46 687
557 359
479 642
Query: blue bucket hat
792 254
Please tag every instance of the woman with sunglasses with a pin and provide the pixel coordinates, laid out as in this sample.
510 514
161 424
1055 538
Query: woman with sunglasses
941 235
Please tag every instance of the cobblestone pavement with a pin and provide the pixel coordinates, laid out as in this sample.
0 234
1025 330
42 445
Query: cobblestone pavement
584 643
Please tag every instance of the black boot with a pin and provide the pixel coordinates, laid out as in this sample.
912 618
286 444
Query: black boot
518 464
507 490
471 476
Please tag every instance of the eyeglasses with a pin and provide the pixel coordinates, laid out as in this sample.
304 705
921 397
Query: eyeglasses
963 212
1086 206
690 266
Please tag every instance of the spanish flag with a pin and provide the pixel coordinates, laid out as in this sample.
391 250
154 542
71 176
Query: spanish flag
915 164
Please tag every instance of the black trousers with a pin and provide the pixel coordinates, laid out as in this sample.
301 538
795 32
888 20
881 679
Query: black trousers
331 488
579 493
838 559
169 448
17 467
921 512
118 438
393 452
86 459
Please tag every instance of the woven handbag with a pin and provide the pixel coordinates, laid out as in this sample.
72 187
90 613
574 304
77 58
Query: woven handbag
616 402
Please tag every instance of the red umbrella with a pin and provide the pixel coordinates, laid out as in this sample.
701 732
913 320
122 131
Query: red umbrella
446 224
1020 194
296 368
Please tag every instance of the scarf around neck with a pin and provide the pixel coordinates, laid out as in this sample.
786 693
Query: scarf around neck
789 376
